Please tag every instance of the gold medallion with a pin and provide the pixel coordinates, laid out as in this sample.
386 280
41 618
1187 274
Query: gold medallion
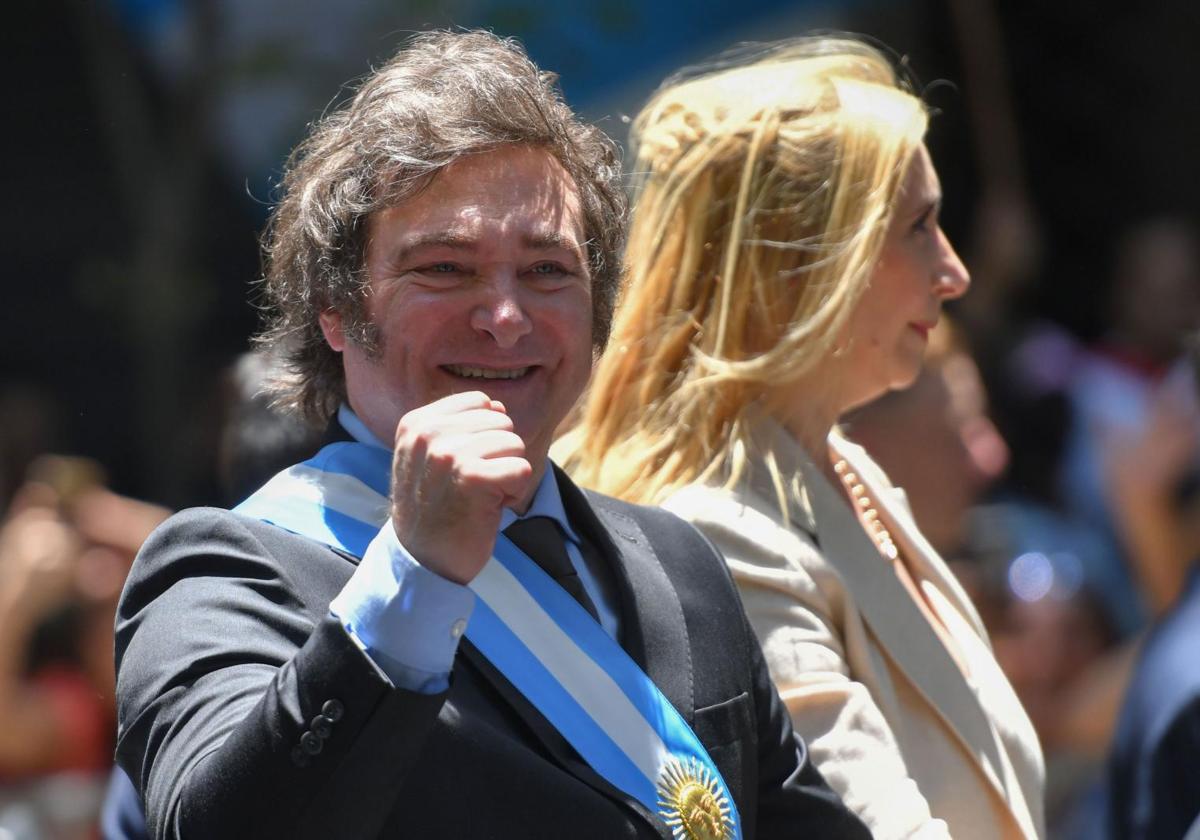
692 803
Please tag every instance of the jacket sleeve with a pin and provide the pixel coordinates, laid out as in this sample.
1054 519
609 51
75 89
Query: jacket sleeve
792 791
1165 792
793 601
243 709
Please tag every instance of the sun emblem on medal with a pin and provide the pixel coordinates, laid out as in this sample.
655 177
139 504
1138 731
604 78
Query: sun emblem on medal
692 803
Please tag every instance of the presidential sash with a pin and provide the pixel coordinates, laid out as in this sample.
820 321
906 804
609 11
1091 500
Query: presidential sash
539 637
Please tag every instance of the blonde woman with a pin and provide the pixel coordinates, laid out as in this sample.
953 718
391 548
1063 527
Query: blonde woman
785 265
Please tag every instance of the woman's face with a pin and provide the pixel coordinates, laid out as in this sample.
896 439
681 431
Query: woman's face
917 270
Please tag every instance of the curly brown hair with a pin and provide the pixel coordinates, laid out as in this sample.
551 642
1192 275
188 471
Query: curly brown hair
445 95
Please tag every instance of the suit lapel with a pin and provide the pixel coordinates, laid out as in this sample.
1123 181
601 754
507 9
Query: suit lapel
899 627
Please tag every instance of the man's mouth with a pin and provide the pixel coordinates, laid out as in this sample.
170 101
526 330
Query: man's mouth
468 372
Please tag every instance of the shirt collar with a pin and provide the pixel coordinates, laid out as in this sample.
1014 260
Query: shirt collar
546 501
357 428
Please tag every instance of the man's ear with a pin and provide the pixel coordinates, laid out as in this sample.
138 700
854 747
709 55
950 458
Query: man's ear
331 327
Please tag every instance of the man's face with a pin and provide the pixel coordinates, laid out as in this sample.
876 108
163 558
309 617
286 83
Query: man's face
479 283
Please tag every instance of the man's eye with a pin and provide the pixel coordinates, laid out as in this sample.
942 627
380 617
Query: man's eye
440 274
550 269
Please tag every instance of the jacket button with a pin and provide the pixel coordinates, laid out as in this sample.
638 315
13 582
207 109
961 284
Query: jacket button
299 757
310 743
322 726
333 709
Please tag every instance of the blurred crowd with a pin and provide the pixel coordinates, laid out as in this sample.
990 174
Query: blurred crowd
66 545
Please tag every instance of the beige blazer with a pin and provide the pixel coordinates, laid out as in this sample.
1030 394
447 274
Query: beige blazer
914 746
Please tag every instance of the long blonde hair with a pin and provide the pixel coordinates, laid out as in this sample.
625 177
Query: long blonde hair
764 193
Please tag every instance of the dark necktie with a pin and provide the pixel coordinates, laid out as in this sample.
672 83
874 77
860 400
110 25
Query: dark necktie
539 537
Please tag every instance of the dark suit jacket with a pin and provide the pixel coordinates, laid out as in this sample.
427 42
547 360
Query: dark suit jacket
226 653
1154 769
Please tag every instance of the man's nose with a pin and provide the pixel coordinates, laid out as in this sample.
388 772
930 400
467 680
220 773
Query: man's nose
501 313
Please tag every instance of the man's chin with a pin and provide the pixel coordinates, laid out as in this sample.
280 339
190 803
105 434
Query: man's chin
535 437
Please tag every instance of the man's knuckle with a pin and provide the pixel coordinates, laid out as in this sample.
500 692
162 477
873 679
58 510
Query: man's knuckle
442 452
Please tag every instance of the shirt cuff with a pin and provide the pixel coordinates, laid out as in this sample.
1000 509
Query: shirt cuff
406 618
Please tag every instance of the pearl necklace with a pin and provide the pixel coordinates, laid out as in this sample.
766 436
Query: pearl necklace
866 511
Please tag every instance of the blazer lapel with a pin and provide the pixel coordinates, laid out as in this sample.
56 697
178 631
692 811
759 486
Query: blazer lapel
922 556
900 628
958 615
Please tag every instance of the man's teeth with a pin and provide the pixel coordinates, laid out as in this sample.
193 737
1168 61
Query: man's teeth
487 373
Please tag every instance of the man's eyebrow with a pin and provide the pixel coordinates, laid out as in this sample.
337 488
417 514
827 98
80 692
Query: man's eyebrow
546 241
549 241
443 239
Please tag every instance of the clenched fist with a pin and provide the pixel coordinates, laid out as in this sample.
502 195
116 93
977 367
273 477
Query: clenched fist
457 464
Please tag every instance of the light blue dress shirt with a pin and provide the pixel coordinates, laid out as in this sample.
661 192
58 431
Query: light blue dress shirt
408 619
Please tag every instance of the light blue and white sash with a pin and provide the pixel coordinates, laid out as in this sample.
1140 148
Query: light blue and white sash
538 636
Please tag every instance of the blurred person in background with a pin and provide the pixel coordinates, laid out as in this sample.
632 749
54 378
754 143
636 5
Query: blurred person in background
1154 786
1035 574
1053 638
66 544
936 440
1114 388
1074 549
257 440
785 265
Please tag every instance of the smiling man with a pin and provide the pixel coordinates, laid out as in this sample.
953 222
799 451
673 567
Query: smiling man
426 630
